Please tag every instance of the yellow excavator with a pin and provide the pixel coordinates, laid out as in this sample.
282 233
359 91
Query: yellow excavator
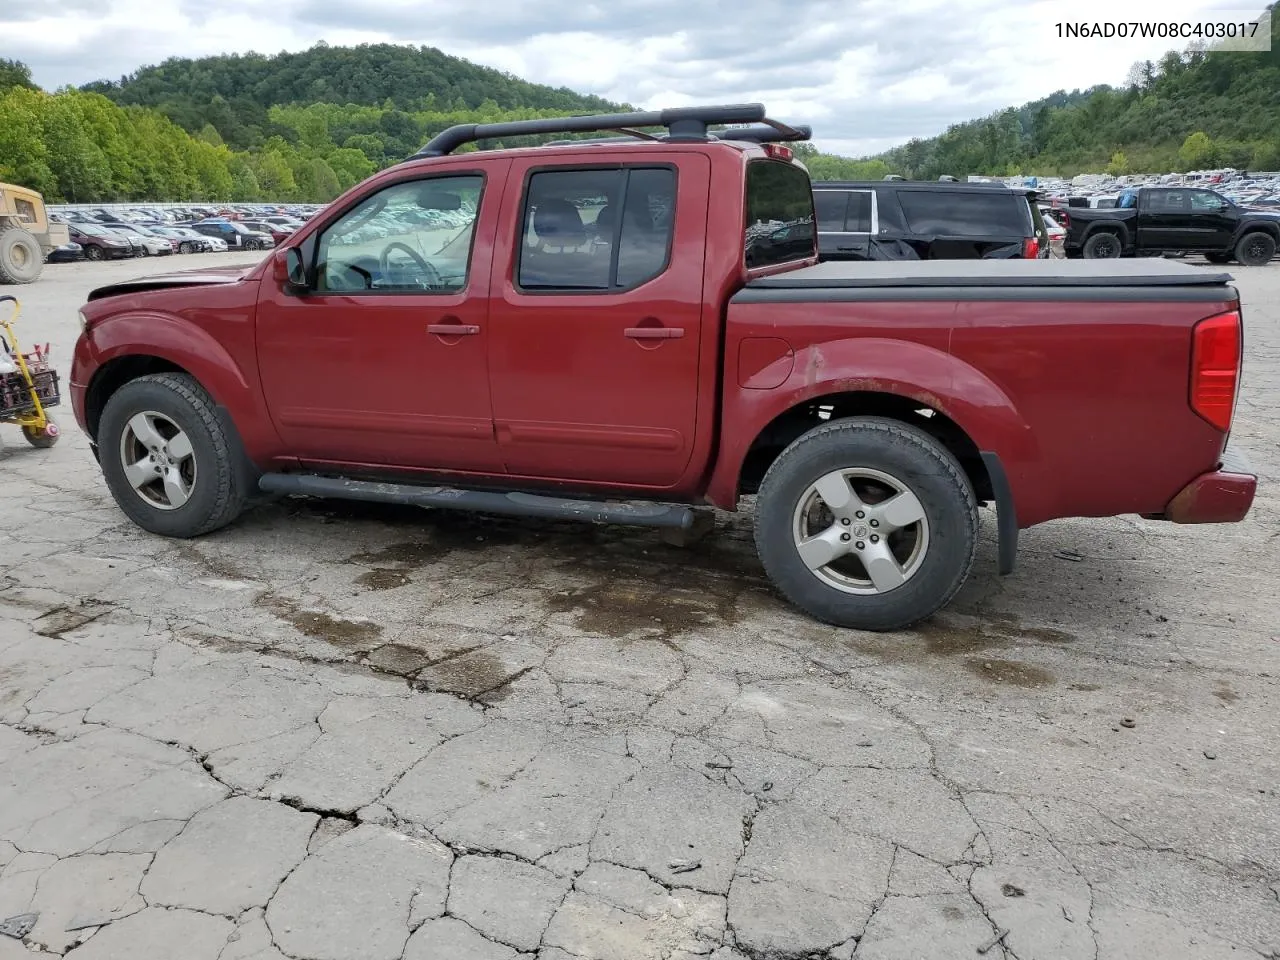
26 235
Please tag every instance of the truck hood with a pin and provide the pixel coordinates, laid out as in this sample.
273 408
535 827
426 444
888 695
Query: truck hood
183 278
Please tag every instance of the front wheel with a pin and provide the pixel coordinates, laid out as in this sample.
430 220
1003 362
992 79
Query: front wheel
168 458
185 246
1256 249
251 245
867 523
93 252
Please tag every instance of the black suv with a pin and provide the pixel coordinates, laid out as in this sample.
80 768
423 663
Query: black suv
923 220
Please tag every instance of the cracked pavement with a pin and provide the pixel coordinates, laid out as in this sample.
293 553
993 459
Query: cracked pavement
346 732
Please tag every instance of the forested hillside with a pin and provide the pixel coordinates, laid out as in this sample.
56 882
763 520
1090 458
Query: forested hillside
234 93
1189 110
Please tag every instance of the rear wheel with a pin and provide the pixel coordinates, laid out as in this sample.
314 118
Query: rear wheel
867 523
169 460
1102 246
21 258
1256 249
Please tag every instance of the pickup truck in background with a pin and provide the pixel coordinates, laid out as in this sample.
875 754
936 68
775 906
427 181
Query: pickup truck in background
627 330
1151 221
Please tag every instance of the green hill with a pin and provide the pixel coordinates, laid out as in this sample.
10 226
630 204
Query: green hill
234 92
1191 110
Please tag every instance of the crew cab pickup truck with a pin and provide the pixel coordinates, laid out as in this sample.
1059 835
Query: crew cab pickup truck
1158 220
630 330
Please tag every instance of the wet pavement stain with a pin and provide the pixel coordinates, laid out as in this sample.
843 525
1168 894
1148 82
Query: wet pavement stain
1226 694
398 658
477 675
621 608
943 638
352 635
383 578
1008 672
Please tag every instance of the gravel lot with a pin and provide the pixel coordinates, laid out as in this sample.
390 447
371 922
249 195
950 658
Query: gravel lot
361 733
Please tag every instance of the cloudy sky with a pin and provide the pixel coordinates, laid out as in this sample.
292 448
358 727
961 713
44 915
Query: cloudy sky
868 74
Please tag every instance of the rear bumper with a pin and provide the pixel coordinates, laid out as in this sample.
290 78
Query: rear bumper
1220 496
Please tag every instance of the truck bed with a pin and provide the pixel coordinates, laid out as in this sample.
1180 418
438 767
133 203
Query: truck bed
1144 272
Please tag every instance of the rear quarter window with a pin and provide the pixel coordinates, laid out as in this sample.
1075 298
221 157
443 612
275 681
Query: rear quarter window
961 214
780 220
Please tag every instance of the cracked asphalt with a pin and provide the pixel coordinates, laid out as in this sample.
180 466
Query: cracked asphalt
344 732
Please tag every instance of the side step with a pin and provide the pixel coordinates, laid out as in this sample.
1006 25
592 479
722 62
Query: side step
482 501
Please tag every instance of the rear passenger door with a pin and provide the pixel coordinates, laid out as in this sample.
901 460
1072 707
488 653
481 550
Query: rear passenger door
596 318
846 223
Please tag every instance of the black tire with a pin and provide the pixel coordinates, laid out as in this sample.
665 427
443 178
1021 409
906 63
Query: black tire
184 246
1256 249
1103 245
1218 257
93 252
220 491
252 245
44 439
919 464
21 258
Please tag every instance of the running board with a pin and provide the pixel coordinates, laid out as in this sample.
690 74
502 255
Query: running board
482 501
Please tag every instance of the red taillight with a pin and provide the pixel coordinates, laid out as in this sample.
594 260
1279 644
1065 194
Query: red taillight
1031 248
1063 218
778 151
1215 368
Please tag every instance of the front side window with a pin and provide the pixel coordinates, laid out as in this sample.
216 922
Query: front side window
780 223
1206 200
412 237
948 213
607 230
26 210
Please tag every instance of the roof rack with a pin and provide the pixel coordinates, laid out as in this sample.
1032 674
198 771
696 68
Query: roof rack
682 123
757 134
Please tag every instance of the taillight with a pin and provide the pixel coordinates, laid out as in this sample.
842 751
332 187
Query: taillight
1215 368
1031 248
778 152
1063 218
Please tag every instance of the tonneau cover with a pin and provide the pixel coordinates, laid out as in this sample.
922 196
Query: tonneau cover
1141 272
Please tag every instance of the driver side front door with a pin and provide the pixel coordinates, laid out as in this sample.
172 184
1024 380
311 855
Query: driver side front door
384 361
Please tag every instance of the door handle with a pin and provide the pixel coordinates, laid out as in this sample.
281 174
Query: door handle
453 329
654 333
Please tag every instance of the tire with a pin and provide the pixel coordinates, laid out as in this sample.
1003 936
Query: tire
1102 246
941 544
21 258
1218 257
44 439
217 491
93 252
1256 249
184 246
251 244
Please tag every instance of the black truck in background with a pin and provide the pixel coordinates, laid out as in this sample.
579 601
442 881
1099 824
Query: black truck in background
1151 221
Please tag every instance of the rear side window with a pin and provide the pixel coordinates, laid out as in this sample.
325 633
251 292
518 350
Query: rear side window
780 218
843 211
606 230
948 213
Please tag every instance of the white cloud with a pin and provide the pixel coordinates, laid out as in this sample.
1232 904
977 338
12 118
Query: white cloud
867 74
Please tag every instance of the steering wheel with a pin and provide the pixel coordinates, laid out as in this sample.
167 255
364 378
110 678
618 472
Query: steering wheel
431 275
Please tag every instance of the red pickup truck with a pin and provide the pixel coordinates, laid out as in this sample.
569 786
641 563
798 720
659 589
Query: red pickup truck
627 328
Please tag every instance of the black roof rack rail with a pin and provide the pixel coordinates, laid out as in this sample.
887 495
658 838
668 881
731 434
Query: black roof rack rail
682 123
757 134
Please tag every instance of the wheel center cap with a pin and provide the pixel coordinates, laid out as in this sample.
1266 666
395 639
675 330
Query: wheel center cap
860 531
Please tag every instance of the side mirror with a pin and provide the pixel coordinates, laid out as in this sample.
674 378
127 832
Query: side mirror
289 270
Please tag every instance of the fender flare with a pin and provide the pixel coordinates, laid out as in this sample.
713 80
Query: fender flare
925 374
232 388
1118 227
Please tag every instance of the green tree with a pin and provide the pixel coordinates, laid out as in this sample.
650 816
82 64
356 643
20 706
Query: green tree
15 73
1198 152
1119 164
